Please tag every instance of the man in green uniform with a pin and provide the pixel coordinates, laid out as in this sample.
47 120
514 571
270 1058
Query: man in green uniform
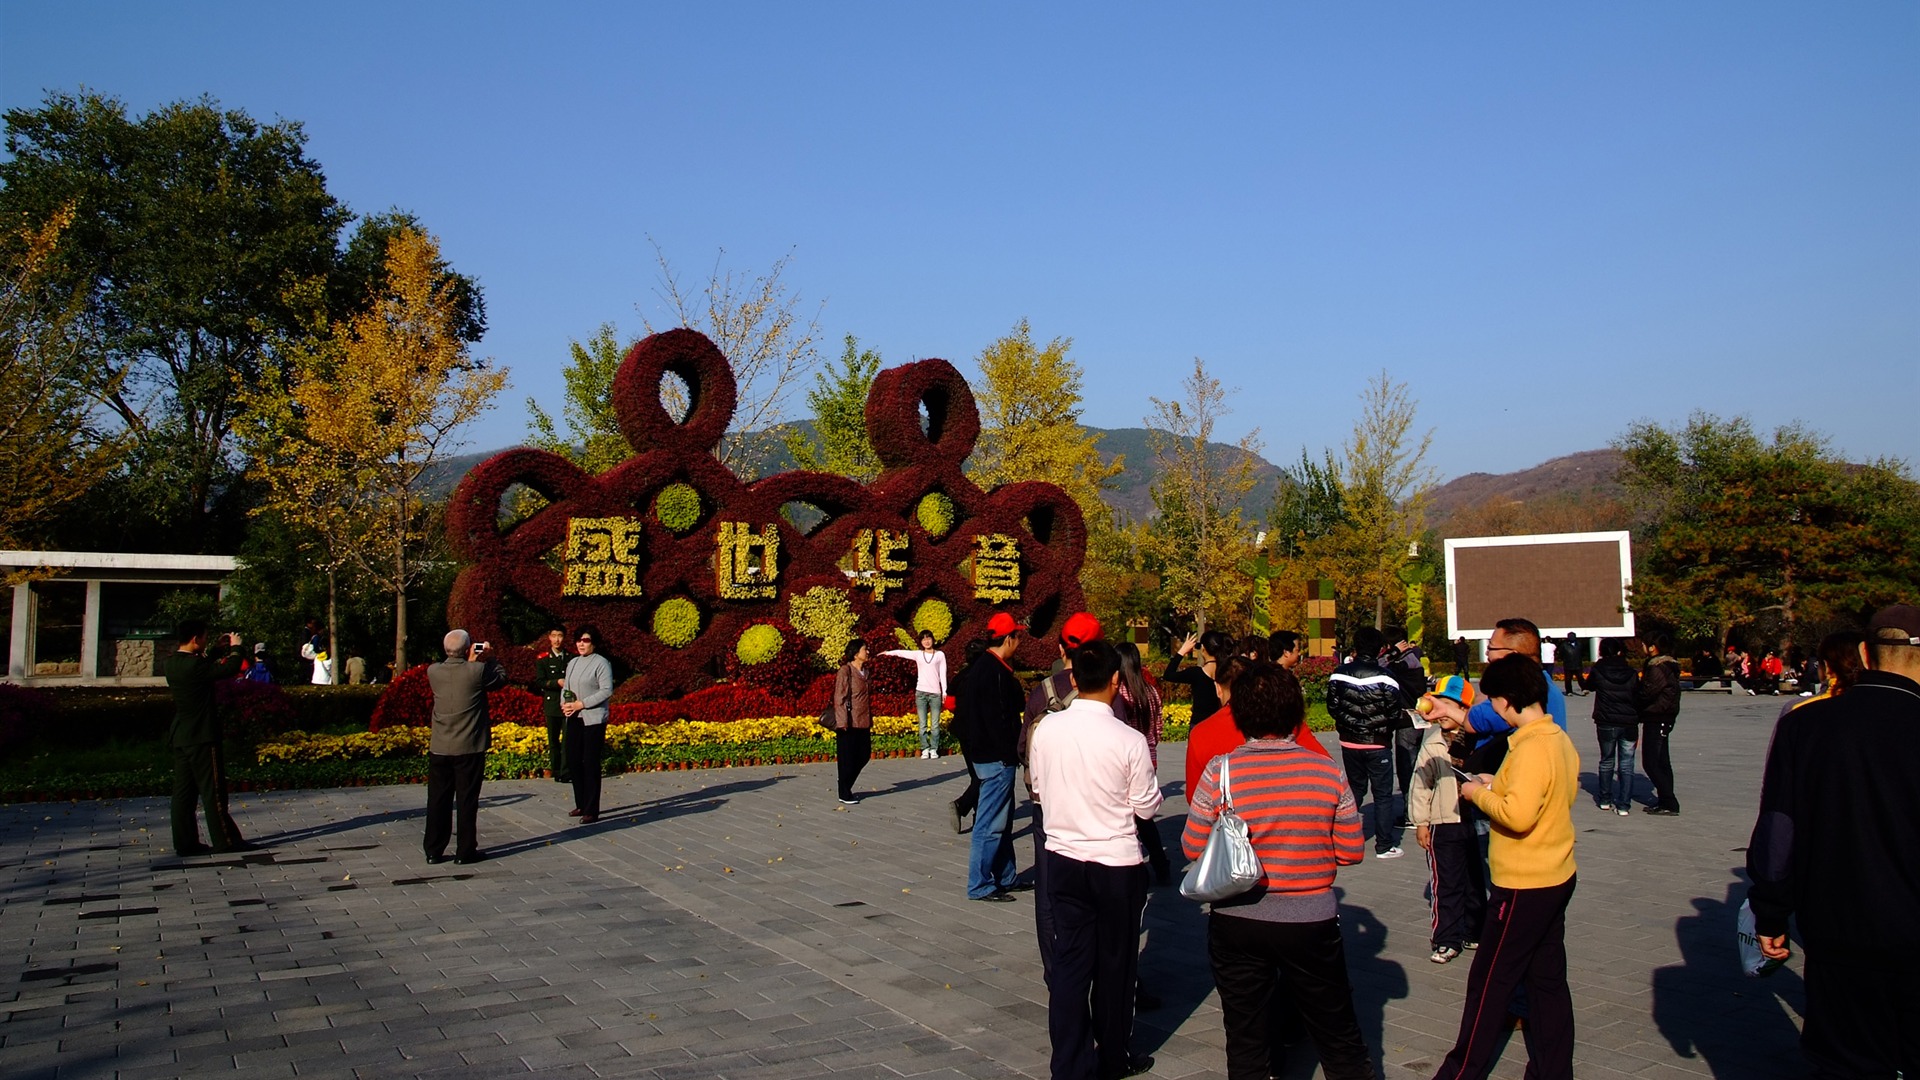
550 674
199 770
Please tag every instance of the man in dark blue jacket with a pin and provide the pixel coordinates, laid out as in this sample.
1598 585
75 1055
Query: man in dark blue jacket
1835 847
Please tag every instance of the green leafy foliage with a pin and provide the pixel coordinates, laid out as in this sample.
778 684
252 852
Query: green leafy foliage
677 507
676 622
1764 533
839 403
937 514
759 644
593 440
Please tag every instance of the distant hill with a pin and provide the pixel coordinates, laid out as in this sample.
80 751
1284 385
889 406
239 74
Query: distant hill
1588 474
1131 496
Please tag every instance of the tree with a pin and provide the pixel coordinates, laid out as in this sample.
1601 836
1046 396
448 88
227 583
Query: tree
1308 505
1743 531
190 227
53 447
839 403
1383 481
593 440
369 406
1198 538
755 323
1030 429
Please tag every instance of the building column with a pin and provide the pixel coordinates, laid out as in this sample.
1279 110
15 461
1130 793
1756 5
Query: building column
90 634
22 626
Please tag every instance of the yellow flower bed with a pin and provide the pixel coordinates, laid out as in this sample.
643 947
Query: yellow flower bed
299 746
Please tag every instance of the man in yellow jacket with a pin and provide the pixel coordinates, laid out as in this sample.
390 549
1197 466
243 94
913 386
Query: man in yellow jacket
1530 804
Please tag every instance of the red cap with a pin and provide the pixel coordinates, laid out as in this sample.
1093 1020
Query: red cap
1080 629
1002 624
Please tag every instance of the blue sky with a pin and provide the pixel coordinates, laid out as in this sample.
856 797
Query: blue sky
1549 220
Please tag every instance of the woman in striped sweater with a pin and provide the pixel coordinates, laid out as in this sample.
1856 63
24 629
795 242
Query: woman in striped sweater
1303 823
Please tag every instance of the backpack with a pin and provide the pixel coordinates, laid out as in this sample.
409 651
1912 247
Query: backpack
1055 702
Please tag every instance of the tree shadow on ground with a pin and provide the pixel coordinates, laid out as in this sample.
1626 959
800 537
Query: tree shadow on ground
679 804
1707 1008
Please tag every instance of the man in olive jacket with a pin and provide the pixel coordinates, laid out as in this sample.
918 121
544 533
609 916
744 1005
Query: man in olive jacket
550 675
457 753
199 769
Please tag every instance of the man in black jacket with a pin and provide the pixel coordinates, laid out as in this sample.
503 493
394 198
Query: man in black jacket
1368 706
1835 847
1658 699
1616 719
199 765
987 702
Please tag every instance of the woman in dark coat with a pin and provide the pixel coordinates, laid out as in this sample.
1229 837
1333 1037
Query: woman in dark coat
852 718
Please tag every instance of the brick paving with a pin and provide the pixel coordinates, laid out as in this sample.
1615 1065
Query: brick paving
739 923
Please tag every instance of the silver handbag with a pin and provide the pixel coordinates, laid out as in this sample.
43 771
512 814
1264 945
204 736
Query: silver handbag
1228 867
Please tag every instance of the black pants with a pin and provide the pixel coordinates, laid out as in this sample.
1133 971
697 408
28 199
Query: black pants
1406 747
1459 882
1042 900
200 776
557 745
969 799
586 747
1525 945
1096 958
1654 757
853 747
454 778
1306 963
1570 677
1860 1017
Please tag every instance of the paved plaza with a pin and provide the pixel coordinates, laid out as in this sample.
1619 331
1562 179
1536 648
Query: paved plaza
739 923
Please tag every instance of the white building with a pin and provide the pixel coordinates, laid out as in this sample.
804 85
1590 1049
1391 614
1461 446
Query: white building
96 617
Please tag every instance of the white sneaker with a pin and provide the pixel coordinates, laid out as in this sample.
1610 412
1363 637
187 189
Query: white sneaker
1622 811
1605 806
1390 853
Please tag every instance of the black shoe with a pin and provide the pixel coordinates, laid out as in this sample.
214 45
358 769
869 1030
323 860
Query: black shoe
1134 1066
1020 886
436 860
193 850
994 898
469 859
1662 811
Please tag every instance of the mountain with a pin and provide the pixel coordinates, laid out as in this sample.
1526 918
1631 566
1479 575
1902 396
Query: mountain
1587 474
1130 497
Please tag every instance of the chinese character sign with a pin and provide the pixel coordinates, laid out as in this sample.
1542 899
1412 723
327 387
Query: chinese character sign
746 563
602 557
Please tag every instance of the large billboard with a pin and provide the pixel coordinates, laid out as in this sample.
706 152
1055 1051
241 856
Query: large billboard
1564 582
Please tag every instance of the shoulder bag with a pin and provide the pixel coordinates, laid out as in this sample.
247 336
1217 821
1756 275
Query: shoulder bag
1228 867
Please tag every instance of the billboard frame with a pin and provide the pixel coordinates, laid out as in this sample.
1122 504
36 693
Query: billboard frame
1621 538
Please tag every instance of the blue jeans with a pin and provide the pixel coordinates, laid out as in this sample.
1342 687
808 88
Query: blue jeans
1374 768
990 863
1615 782
926 707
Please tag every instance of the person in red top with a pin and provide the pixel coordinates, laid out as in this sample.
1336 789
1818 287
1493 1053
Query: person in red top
1218 734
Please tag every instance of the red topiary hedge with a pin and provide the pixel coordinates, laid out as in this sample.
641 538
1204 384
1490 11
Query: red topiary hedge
923 423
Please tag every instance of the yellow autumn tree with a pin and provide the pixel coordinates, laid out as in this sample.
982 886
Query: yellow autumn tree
370 405
53 448
1030 427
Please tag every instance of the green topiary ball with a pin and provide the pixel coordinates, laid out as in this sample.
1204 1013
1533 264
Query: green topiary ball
933 615
677 507
676 623
758 645
936 514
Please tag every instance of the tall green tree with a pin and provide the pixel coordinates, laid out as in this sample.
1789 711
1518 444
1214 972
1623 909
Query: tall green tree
593 440
1743 530
1384 480
191 226
838 399
54 446
1198 538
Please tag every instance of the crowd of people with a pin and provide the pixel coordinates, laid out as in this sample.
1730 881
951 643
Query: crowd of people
1488 777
